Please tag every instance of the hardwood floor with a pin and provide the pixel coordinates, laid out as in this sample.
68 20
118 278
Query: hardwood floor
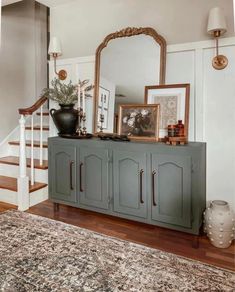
171 241
4 207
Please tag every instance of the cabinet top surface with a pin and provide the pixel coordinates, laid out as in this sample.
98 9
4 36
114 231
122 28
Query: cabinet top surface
112 143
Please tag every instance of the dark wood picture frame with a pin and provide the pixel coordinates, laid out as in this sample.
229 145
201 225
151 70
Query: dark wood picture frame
142 106
186 86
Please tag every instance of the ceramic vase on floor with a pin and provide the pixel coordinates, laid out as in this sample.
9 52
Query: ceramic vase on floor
219 224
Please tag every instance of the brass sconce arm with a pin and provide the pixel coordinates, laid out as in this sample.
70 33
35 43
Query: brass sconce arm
219 62
62 74
217 27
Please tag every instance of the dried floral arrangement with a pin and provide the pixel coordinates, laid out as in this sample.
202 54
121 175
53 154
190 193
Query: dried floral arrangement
66 93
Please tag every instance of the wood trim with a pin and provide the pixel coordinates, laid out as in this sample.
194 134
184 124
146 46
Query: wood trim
10 183
14 160
187 95
37 128
33 108
127 32
29 144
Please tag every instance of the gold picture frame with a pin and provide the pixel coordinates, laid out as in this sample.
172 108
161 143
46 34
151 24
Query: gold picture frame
139 121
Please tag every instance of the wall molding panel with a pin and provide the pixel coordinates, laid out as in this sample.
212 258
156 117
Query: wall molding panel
212 104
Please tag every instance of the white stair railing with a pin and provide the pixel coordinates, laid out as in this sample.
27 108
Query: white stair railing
41 136
32 151
23 179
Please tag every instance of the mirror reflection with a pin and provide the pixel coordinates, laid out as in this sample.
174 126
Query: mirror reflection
127 65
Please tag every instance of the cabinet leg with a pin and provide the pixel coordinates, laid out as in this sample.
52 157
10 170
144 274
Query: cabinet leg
56 207
195 243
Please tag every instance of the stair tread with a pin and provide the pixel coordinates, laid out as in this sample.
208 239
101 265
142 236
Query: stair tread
28 143
14 160
44 114
10 183
37 127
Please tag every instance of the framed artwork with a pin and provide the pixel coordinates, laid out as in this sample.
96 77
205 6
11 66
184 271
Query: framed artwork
104 98
174 105
103 107
139 122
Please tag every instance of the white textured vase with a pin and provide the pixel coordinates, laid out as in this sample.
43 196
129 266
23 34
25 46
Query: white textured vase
219 224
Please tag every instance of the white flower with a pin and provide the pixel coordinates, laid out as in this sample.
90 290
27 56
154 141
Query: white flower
133 114
144 112
124 120
131 122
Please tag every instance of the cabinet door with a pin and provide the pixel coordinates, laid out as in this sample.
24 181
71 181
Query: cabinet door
129 182
62 173
94 177
171 189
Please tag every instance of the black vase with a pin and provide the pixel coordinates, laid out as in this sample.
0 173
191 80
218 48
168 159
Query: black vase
65 119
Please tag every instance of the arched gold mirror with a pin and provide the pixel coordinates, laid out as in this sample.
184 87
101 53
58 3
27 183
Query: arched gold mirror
126 62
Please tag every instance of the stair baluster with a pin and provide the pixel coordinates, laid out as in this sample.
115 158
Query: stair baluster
32 150
41 136
23 180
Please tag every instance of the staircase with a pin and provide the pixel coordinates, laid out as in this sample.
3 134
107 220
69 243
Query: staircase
24 168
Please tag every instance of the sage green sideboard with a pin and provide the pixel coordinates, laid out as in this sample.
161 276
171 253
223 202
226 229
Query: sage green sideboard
152 183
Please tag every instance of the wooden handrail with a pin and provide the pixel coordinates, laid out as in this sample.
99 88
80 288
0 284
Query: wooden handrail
33 108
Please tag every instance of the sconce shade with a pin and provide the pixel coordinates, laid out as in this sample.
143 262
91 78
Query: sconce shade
55 47
216 21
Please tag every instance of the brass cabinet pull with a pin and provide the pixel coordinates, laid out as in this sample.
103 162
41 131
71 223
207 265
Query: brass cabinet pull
141 186
153 187
71 174
81 165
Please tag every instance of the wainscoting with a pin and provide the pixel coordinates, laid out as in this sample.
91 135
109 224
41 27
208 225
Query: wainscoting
212 104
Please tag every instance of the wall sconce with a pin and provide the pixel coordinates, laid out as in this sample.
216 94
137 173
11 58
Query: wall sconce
217 27
55 51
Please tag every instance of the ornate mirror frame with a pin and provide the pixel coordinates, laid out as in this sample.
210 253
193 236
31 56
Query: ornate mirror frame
127 32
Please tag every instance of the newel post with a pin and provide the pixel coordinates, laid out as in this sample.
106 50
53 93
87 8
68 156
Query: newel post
23 179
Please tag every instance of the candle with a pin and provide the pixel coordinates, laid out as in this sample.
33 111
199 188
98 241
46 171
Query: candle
83 101
102 104
79 96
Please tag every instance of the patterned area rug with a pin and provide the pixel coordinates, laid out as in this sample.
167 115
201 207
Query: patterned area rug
38 254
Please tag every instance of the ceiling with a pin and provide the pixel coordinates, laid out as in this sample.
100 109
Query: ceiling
49 3
8 2
53 3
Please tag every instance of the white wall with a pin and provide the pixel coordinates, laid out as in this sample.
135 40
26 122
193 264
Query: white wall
212 105
23 69
212 109
82 24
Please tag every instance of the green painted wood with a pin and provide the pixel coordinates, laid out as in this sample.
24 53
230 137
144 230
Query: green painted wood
62 164
94 177
127 167
135 151
172 184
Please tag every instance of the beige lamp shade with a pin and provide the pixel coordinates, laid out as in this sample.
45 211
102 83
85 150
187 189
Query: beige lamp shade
55 47
216 21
